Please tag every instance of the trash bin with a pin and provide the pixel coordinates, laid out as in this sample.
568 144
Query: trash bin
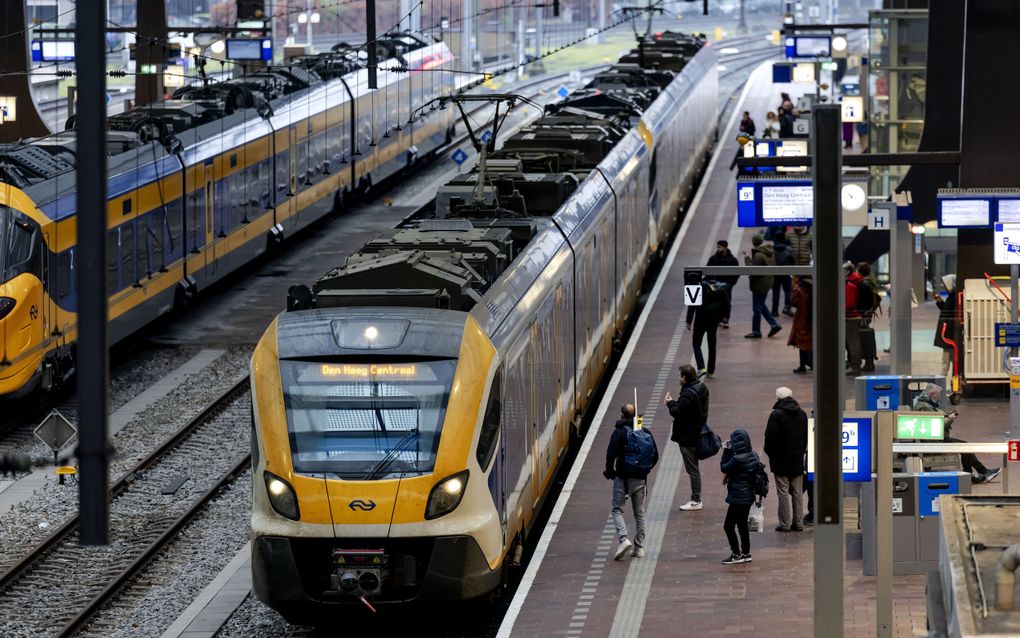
915 519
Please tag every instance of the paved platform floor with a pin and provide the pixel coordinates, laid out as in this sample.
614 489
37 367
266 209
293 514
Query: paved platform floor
574 587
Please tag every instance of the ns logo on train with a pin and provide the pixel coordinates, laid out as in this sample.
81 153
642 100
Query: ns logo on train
363 505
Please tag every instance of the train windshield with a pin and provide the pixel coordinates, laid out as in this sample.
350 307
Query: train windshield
20 245
365 421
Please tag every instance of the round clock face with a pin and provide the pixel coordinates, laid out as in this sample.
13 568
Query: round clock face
854 197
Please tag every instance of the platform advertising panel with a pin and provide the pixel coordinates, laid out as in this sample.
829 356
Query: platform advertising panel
1006 244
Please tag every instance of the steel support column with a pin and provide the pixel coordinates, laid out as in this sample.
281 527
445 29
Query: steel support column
93 368
900 248
829 303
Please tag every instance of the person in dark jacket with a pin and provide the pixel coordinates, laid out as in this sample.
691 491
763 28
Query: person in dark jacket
799 240
626 484
747 124
761 255
739 463
704 321
784 257
801 335
689 411
723 257
786 445
948 311
853 321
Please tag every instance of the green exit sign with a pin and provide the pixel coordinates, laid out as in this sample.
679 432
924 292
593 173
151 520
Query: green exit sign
913 426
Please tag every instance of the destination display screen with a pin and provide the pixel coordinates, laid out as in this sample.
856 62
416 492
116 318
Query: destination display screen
245 49
808 47
1009 211
793 204
365 372
965 213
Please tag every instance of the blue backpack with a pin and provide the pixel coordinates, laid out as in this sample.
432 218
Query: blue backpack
641 454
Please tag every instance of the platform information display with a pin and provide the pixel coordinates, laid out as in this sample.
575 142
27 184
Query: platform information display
1008 211
775 202
965 213
856 442
787 203
248 49
808 46
52 50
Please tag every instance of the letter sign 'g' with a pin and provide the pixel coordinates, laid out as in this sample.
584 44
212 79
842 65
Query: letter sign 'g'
692 295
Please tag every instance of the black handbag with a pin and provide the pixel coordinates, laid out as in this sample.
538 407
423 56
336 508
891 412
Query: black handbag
709 443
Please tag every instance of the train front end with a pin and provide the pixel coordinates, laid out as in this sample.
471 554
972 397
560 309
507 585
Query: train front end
365 487
23 309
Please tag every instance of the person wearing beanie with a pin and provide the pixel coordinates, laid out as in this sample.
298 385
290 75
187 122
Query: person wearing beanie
761 255
786 445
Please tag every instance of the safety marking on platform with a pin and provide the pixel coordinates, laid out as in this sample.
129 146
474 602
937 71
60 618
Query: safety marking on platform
591 581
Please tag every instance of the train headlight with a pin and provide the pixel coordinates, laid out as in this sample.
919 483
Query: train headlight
446 495
6 306
282 496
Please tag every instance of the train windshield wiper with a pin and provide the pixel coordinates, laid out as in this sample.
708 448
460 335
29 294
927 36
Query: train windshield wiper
392 454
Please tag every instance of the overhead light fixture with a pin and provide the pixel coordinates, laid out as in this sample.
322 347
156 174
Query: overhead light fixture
839 43
218 47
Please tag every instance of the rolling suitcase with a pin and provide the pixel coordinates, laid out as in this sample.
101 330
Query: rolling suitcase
868 348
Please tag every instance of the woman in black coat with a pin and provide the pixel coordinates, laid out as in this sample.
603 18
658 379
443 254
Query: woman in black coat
739 464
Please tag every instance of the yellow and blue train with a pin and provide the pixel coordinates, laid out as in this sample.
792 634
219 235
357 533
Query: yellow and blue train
201 184
412 408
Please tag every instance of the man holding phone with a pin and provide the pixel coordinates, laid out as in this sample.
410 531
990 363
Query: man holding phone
928 401
689 411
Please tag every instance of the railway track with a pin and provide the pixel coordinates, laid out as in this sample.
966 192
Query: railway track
58 586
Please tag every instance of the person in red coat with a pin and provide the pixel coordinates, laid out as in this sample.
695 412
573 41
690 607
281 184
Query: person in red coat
801 336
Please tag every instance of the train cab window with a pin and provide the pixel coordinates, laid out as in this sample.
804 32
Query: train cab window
365 421
21 245
490 425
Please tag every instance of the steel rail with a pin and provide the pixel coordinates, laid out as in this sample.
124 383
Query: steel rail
18 569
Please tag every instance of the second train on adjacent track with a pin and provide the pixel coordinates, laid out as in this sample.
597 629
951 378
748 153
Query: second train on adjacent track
412 408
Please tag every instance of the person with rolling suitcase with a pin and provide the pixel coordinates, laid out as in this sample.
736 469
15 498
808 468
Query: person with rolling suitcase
868 303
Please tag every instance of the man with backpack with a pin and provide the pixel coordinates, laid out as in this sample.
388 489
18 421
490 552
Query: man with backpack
631 455
786 444
705 320
689 411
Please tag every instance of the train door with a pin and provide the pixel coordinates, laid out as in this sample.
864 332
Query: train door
534 367
292 184
49 288
209 179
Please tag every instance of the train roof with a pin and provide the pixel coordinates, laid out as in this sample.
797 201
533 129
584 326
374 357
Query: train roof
156 131
483 234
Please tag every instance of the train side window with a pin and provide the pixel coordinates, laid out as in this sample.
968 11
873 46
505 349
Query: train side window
488 437
144 244
282 175
301 162
65 272
112 260
127 255
195 226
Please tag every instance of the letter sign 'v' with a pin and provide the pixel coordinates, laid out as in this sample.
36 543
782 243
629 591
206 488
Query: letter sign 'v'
692 295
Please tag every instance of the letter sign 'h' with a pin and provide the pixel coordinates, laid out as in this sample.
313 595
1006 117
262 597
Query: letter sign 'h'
877 220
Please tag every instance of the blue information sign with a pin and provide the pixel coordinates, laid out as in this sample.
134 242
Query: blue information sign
808 46
459 156
857 454
1007 335
563 92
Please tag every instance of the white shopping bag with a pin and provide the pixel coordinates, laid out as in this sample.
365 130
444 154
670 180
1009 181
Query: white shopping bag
756 518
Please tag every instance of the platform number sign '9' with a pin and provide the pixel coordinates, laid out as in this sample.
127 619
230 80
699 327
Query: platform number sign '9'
692 295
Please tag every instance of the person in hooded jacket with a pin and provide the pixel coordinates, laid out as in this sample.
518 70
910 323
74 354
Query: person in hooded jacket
626 484
799 239
947 319
786 445
761 255
853 320
739 464
689 411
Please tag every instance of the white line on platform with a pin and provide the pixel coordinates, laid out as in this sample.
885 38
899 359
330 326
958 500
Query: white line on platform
510 619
